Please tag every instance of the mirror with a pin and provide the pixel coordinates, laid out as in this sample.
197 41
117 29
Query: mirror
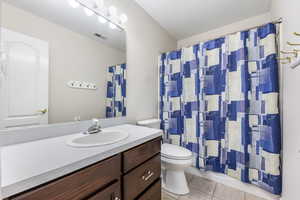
61 62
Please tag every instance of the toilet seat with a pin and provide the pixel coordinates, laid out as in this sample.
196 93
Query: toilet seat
186 162
174 152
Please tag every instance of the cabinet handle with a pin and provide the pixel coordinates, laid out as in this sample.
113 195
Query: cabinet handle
148 175
114 197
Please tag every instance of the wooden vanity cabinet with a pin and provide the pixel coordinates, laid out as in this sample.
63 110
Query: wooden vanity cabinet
141 168
130 175
113 192
138 155
153 192
78 185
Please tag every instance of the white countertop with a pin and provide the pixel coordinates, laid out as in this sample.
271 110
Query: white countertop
27 165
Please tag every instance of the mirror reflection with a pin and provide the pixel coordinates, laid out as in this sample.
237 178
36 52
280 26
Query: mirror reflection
62 62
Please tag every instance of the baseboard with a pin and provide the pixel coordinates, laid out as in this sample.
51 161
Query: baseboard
231 182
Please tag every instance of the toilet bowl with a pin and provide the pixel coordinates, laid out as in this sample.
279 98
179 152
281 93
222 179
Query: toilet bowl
175 160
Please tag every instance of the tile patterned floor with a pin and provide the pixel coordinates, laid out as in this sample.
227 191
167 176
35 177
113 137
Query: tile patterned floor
203 189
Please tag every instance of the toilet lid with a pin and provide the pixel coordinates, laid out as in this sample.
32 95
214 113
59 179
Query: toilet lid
175 152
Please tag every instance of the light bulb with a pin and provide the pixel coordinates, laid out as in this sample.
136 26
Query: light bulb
123 18
112 11
73 3
102 20
88 12
112 26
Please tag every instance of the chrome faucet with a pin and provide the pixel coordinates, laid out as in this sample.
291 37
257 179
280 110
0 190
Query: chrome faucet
95 128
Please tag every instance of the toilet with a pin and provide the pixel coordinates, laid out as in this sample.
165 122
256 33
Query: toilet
175 160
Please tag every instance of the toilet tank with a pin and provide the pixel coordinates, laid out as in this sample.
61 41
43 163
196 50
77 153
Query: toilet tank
150 123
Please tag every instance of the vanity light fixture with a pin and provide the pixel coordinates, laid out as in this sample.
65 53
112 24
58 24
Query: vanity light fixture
104 14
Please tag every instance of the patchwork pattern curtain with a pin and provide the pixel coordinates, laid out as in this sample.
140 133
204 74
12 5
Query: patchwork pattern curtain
219 99
116 91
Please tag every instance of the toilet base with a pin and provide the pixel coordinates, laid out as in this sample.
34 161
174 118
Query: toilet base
174 181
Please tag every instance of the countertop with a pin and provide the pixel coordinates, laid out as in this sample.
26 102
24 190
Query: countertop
27 165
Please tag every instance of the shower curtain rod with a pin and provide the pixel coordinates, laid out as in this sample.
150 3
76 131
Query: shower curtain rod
278 21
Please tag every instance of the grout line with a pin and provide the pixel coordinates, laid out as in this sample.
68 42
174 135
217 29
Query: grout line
208 196
211 197
214 190
192 178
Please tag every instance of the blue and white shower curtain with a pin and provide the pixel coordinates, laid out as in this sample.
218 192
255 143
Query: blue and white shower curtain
219 99
116 91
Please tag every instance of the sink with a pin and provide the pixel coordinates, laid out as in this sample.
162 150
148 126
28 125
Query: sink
98 139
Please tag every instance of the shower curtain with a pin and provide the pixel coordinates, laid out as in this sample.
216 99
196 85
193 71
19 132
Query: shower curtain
116 91
219 99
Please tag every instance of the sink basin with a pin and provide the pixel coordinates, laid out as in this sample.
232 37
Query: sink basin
98 139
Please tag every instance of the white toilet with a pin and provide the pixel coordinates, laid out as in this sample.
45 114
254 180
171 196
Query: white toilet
175 160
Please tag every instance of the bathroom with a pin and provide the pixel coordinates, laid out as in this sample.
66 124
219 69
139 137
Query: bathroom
149 100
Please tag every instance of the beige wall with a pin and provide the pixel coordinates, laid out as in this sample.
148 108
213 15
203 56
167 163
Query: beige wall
0 64
72 57
241 25
145 40
289 11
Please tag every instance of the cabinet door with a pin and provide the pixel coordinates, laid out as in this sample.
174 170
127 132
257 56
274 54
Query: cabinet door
139 179
79 185
153 193
112 192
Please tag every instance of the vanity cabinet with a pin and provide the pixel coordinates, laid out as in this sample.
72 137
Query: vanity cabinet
135 156
130 175
79 185
141 178
113 192
153 192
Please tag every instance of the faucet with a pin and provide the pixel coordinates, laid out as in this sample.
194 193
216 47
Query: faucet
95 128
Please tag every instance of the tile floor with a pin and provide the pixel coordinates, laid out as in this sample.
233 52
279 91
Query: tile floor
203 189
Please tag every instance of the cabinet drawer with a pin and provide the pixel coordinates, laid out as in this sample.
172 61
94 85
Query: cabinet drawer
153 193
112 192
78 185
134 157
135 182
